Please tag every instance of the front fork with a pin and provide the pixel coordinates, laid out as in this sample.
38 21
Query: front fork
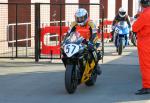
117 41
67 61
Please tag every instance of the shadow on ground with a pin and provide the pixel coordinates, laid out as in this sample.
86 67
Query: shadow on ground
117 84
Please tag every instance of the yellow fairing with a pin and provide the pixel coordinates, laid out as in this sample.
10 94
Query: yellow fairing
88 71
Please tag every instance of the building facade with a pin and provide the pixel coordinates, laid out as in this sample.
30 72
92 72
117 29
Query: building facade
51 13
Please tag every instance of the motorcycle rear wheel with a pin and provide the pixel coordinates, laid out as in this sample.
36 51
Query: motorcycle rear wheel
70 78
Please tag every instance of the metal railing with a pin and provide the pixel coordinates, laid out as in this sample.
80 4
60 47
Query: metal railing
31 21
13 40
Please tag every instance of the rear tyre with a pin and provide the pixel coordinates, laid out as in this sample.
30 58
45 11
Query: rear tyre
70 78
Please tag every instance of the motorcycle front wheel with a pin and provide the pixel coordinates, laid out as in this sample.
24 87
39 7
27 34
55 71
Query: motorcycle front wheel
120 48
133 39
71 78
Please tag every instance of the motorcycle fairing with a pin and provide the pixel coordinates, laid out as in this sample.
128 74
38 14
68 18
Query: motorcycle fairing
88 71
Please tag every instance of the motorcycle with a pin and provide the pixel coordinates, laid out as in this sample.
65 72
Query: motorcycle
80 67
133 35
134 38
121 34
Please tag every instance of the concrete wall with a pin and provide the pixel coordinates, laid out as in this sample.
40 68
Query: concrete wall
3 26
111 9
45 15
70 10
135 6
125 5
95 11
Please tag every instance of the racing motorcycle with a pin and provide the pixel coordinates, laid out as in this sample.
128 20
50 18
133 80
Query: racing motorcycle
121 35
133 35
134 38
80 67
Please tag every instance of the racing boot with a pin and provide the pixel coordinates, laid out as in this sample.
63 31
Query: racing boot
98 70
99 54
143 91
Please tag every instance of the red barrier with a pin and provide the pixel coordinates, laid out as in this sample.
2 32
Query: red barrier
107 22
52 32
107 28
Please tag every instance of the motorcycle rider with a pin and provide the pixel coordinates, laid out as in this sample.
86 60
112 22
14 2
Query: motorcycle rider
121 16
82 23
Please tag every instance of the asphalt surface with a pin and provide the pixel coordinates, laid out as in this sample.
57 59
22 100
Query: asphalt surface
23 81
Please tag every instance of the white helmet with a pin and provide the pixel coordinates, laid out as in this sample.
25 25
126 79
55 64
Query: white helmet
81 16
122 12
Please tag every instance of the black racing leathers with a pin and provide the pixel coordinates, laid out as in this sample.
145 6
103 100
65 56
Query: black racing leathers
118 19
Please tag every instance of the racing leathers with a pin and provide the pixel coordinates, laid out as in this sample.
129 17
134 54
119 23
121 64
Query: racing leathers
118 19
89 32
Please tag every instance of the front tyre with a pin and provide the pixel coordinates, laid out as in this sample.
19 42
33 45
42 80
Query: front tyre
120 48
70 78
133 39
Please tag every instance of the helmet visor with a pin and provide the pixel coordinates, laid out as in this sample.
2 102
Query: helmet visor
122 13
81 19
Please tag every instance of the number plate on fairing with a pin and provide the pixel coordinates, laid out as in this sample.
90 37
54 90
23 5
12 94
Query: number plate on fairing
71 49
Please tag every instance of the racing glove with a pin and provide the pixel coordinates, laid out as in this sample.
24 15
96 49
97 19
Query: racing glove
90 46
113 27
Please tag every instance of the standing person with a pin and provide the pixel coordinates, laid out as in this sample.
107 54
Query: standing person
142 28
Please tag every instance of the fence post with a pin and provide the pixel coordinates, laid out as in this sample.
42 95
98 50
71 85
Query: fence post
16 30
37 31
60 24
102 32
